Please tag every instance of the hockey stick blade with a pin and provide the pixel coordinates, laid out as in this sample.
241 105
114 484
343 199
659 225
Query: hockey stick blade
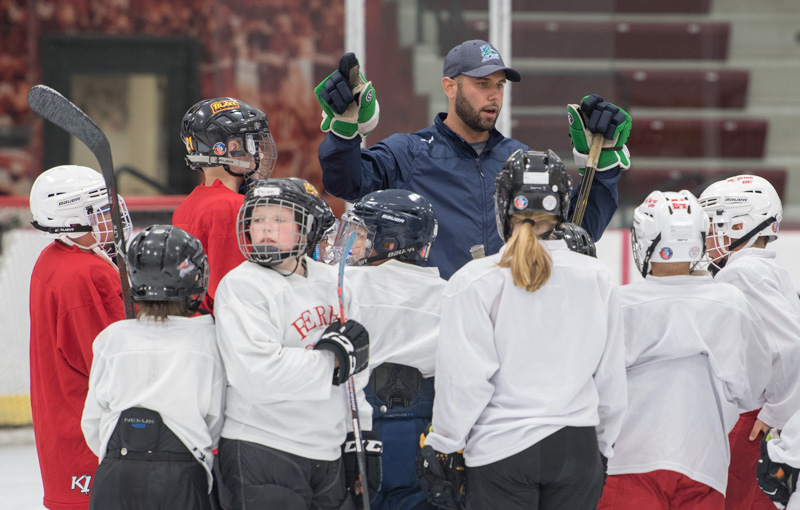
59 110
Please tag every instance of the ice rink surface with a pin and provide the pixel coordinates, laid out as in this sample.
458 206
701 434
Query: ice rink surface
20 482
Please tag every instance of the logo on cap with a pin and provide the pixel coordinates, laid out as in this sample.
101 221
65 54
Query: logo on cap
488 53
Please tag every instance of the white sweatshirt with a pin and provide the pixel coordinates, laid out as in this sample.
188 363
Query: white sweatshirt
514 367
400 305
769 289
280 392
172 367
694 354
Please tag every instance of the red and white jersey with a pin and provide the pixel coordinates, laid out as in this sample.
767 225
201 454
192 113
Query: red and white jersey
74 295
786 450
280 392
209 213
171 367
694 354
769 289
400 305
513 367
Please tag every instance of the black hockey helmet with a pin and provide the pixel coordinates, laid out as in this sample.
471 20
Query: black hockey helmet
576 237
531 181
210 125
309 211
167 264
396 224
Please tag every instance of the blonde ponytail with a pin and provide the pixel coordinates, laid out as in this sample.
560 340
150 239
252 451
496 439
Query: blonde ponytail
529 261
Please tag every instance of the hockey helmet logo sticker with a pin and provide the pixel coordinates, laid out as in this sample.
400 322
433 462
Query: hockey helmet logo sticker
226 104
694 252
219 149
665 253
520 202
185 267
310 189
549 202
775 226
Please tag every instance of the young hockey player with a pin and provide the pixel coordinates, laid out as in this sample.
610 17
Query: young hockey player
533 392
745 212
286 355
703 342
75 293
154 408
395 229
229 143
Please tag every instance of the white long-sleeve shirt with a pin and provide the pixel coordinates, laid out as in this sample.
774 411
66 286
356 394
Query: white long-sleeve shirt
514 367
769 289
171 367
400 305
694 354
280 392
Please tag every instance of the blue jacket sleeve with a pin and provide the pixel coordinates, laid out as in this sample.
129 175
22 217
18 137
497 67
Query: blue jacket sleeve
602 202
349 172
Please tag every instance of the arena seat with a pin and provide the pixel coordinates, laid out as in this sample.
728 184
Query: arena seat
612 40
667 137
677 88
618 6
634 186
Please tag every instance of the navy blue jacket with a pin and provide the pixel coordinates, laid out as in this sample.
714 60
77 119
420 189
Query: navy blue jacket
441 166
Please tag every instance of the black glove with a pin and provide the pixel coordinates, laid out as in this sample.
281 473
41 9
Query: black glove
778 481
335 90
603 117
350 344
442 477
373 448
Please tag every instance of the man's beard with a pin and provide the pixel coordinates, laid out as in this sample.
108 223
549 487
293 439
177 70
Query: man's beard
472 117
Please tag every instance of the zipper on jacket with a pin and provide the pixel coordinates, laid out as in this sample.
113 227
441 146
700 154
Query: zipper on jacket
483 204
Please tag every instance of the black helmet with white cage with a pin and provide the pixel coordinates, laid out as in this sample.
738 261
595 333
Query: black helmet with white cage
165 263
281 218
390 224
209 127
531 181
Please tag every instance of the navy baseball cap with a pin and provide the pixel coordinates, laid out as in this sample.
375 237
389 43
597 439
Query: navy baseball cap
476 58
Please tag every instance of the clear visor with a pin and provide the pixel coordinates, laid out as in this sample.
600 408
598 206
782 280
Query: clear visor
362 244
259 149
324 251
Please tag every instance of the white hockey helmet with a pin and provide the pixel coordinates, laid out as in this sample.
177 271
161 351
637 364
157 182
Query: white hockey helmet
68 201
741 208
668 227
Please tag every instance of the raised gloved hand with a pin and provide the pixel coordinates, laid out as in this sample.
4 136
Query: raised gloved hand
597 116
350 344
349 104
373 448
442 476
777 481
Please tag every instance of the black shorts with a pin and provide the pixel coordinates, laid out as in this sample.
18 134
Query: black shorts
563 471
261 477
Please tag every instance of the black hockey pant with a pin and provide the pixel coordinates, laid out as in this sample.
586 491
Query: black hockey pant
259 477
563 471
147 466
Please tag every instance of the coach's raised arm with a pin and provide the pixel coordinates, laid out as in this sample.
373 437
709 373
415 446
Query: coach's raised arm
454 162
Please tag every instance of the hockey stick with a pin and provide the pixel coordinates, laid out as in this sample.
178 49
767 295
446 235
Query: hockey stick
63 113
351 386
588 177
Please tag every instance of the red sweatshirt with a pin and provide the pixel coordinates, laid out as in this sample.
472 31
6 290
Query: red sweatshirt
74 295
